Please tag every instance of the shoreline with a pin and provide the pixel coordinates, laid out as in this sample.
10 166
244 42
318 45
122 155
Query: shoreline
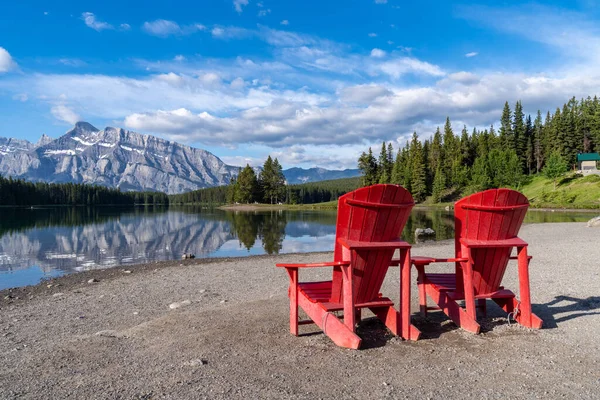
81 278
219 329
274 207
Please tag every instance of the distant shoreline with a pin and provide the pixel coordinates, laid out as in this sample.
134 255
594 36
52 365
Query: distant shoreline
332 205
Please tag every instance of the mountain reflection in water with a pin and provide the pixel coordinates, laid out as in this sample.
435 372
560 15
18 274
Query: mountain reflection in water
45 242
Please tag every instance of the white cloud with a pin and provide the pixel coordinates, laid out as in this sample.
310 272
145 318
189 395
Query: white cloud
285 22
377 53
179 58
22 97
6 61
65 114
72 62
91 21
408 65
164 28
466 78
264 13
381 1
231 32
372 34
471 54
239 4
161 28
210 79
124 27
238 83
314 102
243 160
363 94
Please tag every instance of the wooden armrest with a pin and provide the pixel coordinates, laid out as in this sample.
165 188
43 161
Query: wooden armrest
314 265
514 242
362 245
417 260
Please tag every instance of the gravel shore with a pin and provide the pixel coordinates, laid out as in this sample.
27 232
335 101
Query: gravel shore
219 329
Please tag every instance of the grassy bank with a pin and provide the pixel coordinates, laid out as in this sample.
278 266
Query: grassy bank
572 191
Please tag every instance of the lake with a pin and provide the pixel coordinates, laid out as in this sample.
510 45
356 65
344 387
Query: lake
44 242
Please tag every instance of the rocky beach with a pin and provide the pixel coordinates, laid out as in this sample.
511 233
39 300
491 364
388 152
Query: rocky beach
219 329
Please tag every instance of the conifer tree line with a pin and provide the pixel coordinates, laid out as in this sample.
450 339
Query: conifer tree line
268 187
18 192
481 159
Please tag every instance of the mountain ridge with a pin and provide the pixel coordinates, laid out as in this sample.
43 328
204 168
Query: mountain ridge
132 161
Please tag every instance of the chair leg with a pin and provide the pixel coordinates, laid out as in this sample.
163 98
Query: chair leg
422 290
525 317
509 305
468 283
454 311
337 330
293 294
407 330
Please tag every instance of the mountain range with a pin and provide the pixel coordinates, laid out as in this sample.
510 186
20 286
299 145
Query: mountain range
128 160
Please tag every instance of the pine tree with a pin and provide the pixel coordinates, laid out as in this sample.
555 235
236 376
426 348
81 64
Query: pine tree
529 147
390 159
506 134
436 151
450 150
418 182
265 179
519 135
538 142
439 184
384 166
246 185
397 177
278 181
368 168
480 175
555 167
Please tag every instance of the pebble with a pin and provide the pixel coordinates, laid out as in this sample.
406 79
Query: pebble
126 271
223 301
135 313
196 363
58 294
178 304
109 333
202 291
93 280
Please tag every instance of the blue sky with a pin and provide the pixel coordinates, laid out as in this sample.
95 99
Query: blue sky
310 82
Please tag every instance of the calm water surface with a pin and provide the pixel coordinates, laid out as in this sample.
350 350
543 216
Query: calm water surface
45 242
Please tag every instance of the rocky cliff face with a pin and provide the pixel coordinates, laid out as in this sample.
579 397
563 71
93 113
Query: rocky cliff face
116 158
128 160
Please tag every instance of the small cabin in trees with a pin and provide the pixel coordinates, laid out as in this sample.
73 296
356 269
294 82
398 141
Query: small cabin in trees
586 163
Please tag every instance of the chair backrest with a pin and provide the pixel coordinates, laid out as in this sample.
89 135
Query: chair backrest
375 213
494 214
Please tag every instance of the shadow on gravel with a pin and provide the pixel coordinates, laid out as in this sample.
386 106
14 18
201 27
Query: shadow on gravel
572 307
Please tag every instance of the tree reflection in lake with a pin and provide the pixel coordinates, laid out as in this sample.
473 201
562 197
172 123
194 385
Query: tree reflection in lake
44 242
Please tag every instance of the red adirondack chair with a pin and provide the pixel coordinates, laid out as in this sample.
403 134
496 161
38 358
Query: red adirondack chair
369 223
486 228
